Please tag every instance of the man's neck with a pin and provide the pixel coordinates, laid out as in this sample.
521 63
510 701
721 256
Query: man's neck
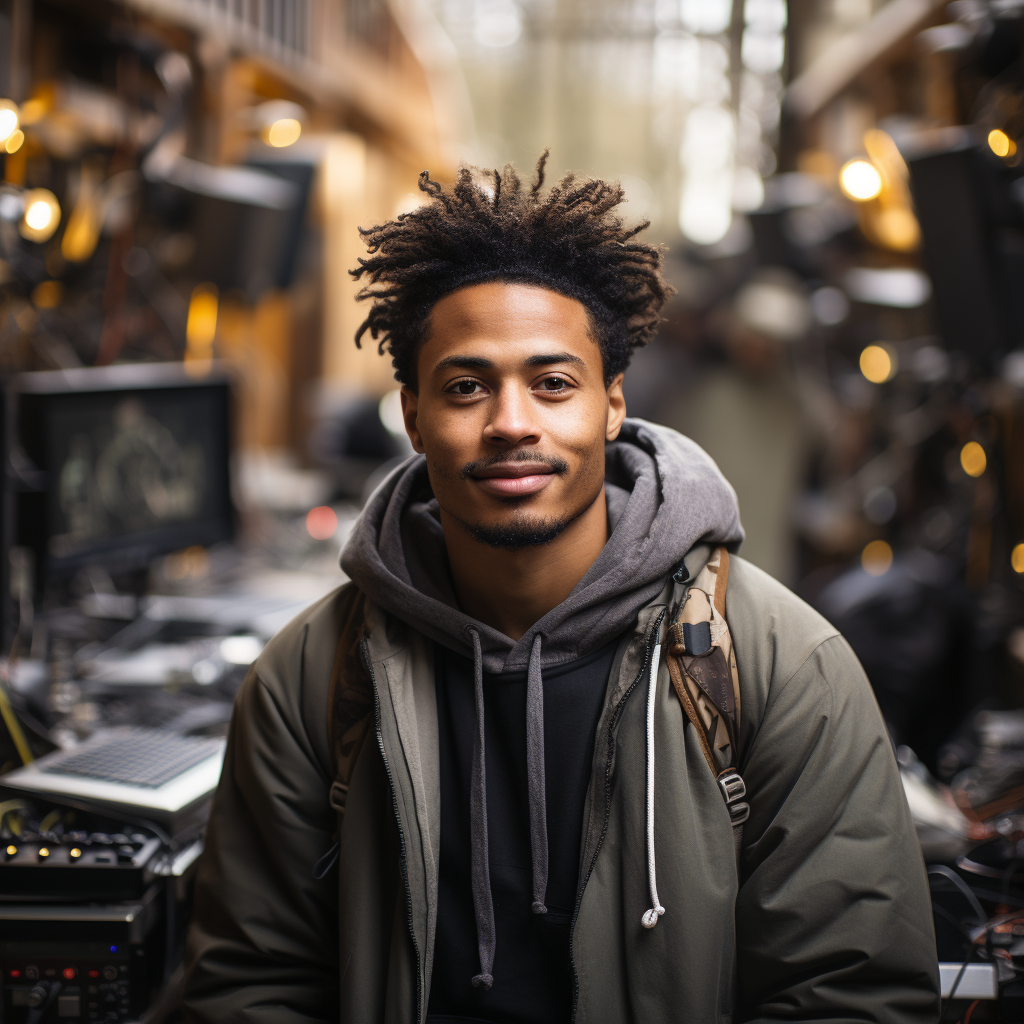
511 590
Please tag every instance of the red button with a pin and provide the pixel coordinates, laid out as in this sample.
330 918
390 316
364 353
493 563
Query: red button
15 974
94 974
69 973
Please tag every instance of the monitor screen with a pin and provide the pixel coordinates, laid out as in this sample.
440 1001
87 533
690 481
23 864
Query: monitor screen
133 462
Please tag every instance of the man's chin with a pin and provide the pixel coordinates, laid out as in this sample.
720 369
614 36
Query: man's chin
520 533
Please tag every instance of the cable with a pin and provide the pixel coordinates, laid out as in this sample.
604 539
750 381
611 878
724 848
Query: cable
952 876
941 871
970 1011
956 982
14 727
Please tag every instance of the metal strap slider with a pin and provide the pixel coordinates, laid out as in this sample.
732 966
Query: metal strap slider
732 786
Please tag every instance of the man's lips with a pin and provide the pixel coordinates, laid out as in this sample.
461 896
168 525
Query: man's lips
514 479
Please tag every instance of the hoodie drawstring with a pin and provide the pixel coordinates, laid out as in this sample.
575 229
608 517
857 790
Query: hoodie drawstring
535 778
483 903
480 872
650 918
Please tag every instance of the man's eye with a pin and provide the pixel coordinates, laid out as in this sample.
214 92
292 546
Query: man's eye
465 387
554 384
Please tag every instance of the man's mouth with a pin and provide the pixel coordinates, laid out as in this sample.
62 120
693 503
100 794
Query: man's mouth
514 479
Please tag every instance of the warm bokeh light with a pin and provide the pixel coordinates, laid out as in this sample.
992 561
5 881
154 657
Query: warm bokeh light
860 180
34 110
14 141
47 294
973 459
82 233
1000 143
876 557
201 329
284 132
897 228
42 215
8 119
321 522
878 363
885 154
1017 558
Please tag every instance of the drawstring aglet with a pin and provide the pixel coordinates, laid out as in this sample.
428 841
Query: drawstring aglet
483 980
650 918
539 908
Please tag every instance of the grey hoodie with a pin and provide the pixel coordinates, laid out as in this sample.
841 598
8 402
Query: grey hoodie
665 494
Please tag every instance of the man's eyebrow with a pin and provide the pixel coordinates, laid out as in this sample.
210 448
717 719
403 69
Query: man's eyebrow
464 363
479 363
554 357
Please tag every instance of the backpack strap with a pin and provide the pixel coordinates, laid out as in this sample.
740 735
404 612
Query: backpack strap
350 699
702 666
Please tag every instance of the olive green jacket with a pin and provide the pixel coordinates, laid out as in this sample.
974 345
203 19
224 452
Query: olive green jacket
825 918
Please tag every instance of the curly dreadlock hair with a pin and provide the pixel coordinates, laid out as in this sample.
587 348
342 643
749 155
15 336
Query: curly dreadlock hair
569 240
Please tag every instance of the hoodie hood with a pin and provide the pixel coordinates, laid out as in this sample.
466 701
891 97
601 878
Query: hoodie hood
665 494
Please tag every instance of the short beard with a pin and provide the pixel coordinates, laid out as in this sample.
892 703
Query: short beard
516 536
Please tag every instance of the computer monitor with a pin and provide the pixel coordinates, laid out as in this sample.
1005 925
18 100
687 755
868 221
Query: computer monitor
130 462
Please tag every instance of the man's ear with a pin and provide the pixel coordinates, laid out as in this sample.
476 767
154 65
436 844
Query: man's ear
410 407
616 408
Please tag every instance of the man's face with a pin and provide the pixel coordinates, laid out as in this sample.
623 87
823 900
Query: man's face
512 411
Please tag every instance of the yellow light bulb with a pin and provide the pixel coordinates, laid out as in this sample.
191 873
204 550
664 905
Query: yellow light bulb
284 132
1017 558
38 216
878 363
8 119
201 329
14 141
973 458
860 180
876 558
11 851
75 853
42 215
43 851
1000 143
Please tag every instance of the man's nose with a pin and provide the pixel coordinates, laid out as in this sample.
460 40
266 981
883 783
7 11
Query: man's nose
512 418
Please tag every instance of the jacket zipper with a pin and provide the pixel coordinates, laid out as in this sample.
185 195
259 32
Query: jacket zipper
403 860
648 648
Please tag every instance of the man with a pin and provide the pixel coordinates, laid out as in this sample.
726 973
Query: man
466 719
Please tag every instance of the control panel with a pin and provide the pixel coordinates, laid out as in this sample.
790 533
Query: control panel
80 962
107 866
72 983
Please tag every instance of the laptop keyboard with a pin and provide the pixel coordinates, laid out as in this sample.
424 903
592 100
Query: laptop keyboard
135 757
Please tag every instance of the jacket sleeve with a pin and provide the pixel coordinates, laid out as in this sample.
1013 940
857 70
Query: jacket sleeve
263 940
834 919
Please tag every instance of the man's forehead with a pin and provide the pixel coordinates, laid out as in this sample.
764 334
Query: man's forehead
499 321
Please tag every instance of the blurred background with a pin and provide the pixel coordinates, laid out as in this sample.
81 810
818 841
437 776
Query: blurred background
190 431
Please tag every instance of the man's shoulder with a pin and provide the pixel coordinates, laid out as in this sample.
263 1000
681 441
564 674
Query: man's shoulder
774 632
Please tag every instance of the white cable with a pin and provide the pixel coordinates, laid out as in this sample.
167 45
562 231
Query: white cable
650 918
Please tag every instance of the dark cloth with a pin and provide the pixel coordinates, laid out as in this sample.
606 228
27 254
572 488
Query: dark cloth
532 978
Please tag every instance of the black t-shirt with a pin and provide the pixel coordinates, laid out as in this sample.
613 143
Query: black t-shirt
532 975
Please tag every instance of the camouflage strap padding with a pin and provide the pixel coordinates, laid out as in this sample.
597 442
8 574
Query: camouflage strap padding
707 683
350 703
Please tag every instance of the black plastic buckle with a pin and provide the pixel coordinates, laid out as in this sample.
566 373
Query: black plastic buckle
697 637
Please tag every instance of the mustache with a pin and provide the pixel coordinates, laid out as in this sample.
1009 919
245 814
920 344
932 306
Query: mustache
556 465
